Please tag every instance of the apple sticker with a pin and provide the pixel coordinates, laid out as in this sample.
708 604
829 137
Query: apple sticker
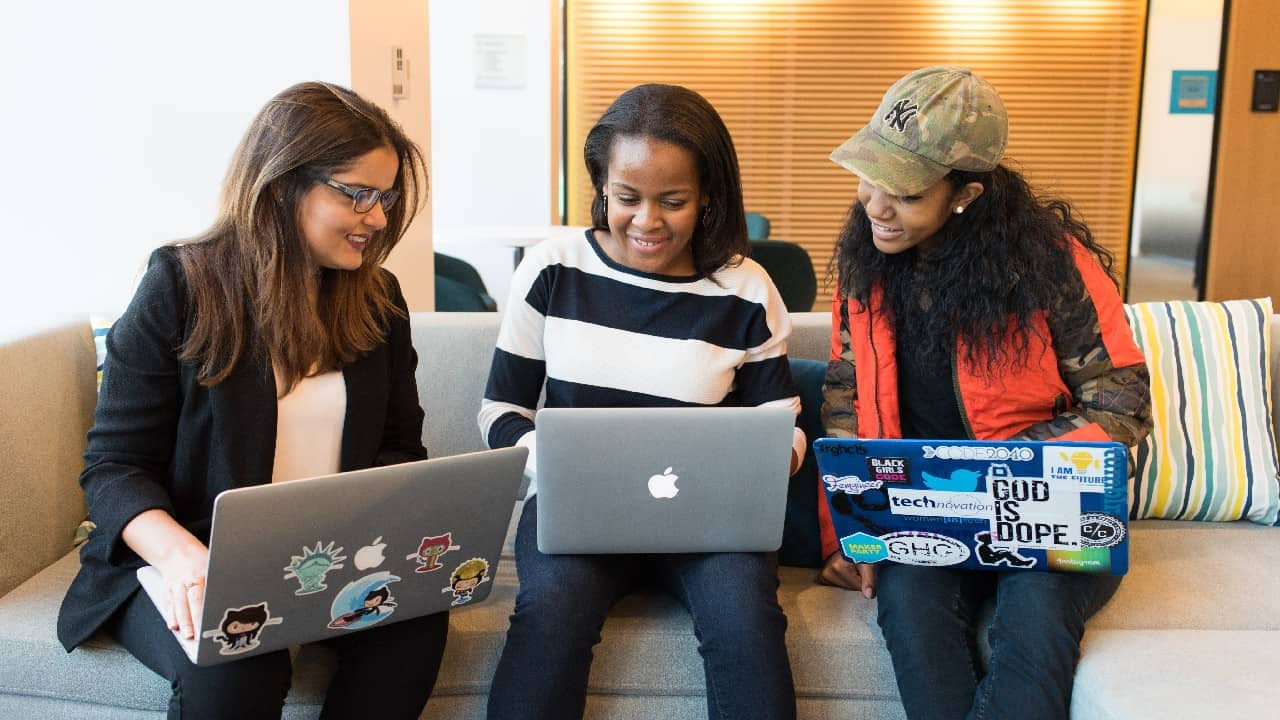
370 556
664 485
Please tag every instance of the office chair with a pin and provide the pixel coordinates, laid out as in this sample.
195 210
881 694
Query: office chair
459 287
757 226
791 269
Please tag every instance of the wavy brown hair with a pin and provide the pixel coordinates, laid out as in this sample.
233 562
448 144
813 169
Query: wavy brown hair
248 274
682 117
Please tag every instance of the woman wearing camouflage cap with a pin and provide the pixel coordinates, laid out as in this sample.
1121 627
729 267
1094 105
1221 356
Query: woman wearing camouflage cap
1011 328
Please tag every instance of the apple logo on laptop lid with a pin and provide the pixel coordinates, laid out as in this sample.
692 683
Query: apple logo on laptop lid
664 485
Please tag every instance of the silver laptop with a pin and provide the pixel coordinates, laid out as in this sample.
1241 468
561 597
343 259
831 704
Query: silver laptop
311 559
662 480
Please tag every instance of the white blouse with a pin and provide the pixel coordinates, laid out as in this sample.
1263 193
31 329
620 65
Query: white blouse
309 424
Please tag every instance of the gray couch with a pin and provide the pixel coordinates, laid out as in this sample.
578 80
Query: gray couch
1194 631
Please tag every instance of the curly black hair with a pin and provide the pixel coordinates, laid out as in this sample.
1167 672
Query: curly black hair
1006 258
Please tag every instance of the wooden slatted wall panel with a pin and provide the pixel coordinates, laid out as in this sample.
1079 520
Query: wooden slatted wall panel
793 78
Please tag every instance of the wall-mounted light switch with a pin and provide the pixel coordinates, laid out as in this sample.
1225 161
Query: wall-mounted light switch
1266 90
399 73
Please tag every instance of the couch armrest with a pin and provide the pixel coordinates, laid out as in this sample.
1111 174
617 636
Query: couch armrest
48 385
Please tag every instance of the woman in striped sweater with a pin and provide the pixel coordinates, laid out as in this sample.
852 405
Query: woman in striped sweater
656 305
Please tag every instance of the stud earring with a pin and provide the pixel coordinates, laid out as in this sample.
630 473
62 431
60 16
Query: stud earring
959 209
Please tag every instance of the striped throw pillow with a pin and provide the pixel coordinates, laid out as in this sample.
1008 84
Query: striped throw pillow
1212 454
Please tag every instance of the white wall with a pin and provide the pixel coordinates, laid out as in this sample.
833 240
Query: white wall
490 147
118 123
377 26
1174 150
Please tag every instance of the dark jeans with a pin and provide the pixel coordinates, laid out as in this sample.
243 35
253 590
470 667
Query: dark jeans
561 607
385 672
929 618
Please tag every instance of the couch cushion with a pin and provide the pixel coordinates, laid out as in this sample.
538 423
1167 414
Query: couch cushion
1212 453
1157 674
1191 575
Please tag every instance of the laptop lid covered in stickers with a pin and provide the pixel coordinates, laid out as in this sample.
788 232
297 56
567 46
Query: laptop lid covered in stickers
311 559
979 505
662 480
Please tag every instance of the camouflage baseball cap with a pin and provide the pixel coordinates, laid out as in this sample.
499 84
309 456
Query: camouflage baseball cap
932 121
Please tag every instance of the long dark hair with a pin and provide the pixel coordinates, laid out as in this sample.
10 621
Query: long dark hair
1006 258
247 275
681 117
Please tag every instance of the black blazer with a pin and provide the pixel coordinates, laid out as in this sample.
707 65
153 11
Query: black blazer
161 440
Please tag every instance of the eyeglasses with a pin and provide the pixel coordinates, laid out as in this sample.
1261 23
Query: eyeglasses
362 199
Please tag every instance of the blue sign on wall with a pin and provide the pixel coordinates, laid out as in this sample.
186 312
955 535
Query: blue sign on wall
1193 92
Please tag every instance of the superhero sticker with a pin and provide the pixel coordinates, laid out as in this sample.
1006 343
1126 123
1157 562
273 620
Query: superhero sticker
465 578
430 551
240 627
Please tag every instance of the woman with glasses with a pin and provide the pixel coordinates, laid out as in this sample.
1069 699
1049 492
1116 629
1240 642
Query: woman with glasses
270 348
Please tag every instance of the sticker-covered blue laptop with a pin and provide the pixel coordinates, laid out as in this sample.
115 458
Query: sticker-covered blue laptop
981 505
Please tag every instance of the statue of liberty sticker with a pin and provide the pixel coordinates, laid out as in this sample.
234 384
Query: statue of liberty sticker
312 565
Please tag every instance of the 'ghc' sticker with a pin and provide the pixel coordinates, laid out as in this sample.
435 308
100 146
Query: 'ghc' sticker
913 547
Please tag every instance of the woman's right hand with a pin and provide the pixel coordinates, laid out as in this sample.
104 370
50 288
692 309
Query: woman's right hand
184 579
181 559
851 576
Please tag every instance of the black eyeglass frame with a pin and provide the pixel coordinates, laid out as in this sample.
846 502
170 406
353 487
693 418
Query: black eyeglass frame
387 198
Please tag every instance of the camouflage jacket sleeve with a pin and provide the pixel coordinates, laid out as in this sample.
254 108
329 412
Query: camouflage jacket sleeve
838 385
1117 399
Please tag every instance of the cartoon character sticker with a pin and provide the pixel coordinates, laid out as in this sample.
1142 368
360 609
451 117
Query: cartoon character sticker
363 602
430 551
310 567
238 632
466 578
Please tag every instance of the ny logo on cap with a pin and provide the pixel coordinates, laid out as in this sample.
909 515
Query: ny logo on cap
902 112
